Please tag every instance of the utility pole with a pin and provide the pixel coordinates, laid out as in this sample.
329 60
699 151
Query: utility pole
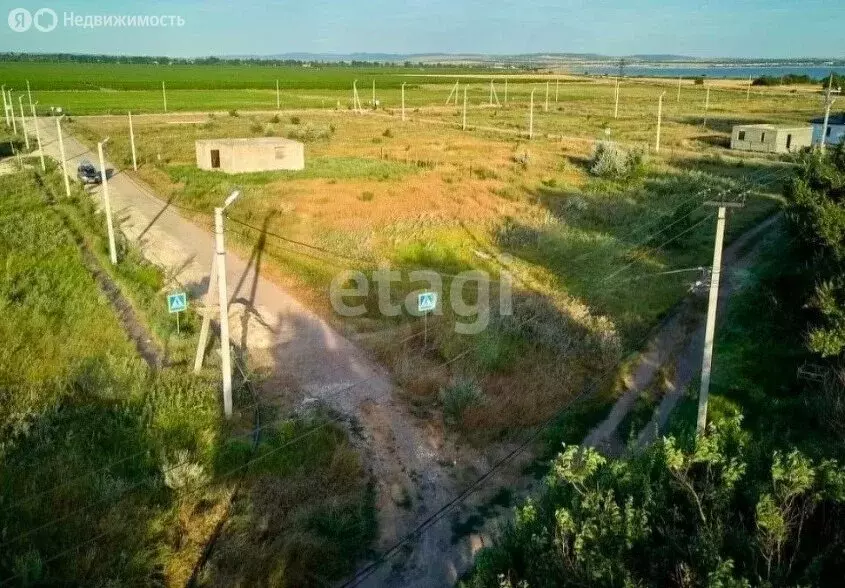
557 89
506 91
38 137
491 91
679 89
659 119
29 94
107 201
62 154
706 106
206 319
278 97
748 89
531 116
164 95
546 105
374 94
828 103
454 93
223 301
710 328
616 107
132 143
464 125
23 123
5 106
12 110
403 101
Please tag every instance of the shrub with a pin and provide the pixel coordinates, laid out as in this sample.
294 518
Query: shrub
275 119
458 397
256 128
699 81
367 196
611 161
387 133
295 120
233 113
308 132
522 159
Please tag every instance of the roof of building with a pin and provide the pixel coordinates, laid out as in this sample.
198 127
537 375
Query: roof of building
231 142
835 119
771 127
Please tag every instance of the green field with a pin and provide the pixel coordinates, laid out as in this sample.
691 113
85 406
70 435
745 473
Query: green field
113 76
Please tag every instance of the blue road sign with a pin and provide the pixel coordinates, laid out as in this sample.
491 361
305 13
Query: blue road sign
177 302
426 301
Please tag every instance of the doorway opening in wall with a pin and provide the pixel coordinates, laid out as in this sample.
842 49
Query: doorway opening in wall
788 142
215 158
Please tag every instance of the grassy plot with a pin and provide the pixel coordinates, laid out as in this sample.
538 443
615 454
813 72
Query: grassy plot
416 195
114 473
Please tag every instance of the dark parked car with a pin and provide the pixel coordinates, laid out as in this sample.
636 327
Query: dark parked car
88 174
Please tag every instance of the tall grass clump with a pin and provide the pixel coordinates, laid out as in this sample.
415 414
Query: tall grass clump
610 161
457 398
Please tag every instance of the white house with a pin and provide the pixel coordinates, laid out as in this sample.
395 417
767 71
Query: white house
835 129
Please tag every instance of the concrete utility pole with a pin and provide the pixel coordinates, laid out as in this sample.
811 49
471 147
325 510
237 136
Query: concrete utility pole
12 110
706 106
557 89
491 92
616 107
403 101
206 319
659 119
164 95
278 97
829 100
132 143
23 123
710 328
748 90
506 91
546 105
29 94
356 101
62 154
374 94
5 106
531 116
107 201
464 124
679 89
38 137
454 93
223 301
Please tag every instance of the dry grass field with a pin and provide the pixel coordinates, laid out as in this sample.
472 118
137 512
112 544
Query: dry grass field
583 249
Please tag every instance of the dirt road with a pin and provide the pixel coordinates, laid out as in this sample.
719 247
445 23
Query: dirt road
675 350
414 469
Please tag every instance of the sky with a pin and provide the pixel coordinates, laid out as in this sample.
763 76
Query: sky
710 28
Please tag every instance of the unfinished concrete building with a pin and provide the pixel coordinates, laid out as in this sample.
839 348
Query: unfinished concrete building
250 155
771 138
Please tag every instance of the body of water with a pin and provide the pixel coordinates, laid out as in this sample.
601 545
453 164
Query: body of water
710 71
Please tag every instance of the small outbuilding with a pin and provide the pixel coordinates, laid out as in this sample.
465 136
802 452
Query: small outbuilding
771 138
835 132
250 155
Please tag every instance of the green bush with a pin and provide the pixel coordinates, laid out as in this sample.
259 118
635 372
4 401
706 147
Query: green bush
610 161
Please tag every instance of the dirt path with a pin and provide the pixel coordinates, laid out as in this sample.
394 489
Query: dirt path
675 350
414 468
